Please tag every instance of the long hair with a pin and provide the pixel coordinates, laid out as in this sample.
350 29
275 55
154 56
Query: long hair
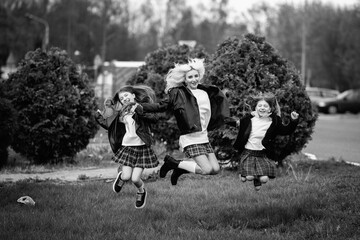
268 97
143 93
176 76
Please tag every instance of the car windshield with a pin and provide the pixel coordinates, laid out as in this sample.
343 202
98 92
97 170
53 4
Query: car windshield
343 94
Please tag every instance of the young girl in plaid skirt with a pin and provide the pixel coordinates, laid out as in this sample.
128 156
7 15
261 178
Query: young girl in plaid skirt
197 109
134 133
255 136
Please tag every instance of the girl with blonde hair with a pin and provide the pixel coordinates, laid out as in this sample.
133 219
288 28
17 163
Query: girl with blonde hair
198 108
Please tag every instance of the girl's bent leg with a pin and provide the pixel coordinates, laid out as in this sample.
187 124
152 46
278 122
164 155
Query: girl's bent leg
136 178
204 166
264 179
214 163
121 178
249 178
141 192
126 173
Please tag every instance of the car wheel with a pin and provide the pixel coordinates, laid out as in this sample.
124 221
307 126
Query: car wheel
332 110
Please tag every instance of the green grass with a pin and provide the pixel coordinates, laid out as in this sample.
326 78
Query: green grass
321 202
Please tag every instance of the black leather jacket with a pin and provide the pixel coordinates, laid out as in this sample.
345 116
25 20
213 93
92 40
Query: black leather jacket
116 129
186 111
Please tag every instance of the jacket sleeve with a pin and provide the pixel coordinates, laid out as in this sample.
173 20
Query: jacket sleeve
150 117
287 129
220 110
101 120
162 106
231 121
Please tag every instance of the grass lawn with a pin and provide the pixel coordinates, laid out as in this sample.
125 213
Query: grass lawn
317 200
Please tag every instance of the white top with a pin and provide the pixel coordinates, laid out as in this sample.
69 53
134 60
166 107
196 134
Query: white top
259 126
130 137
203 102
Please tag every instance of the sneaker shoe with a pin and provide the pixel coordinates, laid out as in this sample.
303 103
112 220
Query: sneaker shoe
257 184
243 178
118 183
140 199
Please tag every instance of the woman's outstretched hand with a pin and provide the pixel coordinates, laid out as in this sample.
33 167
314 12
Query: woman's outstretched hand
294 115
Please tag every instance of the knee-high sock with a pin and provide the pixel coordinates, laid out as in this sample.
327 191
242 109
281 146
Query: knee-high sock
188 166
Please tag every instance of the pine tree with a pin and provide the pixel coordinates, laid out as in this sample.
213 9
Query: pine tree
55 104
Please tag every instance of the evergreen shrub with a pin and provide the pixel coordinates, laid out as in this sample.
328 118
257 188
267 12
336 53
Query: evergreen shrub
153 72
55 104
247 66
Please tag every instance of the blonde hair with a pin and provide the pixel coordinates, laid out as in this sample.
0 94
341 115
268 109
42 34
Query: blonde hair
176 75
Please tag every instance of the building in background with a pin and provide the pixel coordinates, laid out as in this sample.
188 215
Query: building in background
10 66
114 75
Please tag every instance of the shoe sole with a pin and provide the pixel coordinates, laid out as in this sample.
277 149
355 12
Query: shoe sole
142 206
257 185
116 181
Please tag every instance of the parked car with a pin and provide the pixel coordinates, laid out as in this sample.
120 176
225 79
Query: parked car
347 101
317 94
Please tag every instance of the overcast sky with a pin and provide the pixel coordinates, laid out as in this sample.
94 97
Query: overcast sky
247 4
241 6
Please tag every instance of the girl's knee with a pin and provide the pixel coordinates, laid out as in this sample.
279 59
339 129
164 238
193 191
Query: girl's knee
125 178
136 179
215 170
264 179
249 178
205 170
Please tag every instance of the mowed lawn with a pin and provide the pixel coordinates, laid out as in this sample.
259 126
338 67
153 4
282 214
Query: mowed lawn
317 200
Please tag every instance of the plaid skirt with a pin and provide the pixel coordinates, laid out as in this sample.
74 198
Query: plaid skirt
136 156
256 163
195 150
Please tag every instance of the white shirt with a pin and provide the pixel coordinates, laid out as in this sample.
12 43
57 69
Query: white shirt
130 137
203 102
259 126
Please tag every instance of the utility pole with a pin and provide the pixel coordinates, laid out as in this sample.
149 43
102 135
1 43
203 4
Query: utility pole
303 45
45 41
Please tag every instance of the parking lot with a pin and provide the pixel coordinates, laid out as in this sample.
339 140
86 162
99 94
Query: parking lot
336 136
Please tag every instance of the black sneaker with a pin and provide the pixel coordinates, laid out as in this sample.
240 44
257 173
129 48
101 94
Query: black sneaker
118 183
257 184
243 178
140 199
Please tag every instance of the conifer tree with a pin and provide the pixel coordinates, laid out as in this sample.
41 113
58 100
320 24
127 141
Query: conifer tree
55 104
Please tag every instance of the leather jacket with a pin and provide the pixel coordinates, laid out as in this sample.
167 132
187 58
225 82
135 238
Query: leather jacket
184 106
116 129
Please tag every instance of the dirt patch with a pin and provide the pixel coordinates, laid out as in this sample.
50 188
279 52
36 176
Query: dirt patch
71 175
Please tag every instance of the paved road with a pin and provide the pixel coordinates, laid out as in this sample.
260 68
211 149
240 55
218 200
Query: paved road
336 136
